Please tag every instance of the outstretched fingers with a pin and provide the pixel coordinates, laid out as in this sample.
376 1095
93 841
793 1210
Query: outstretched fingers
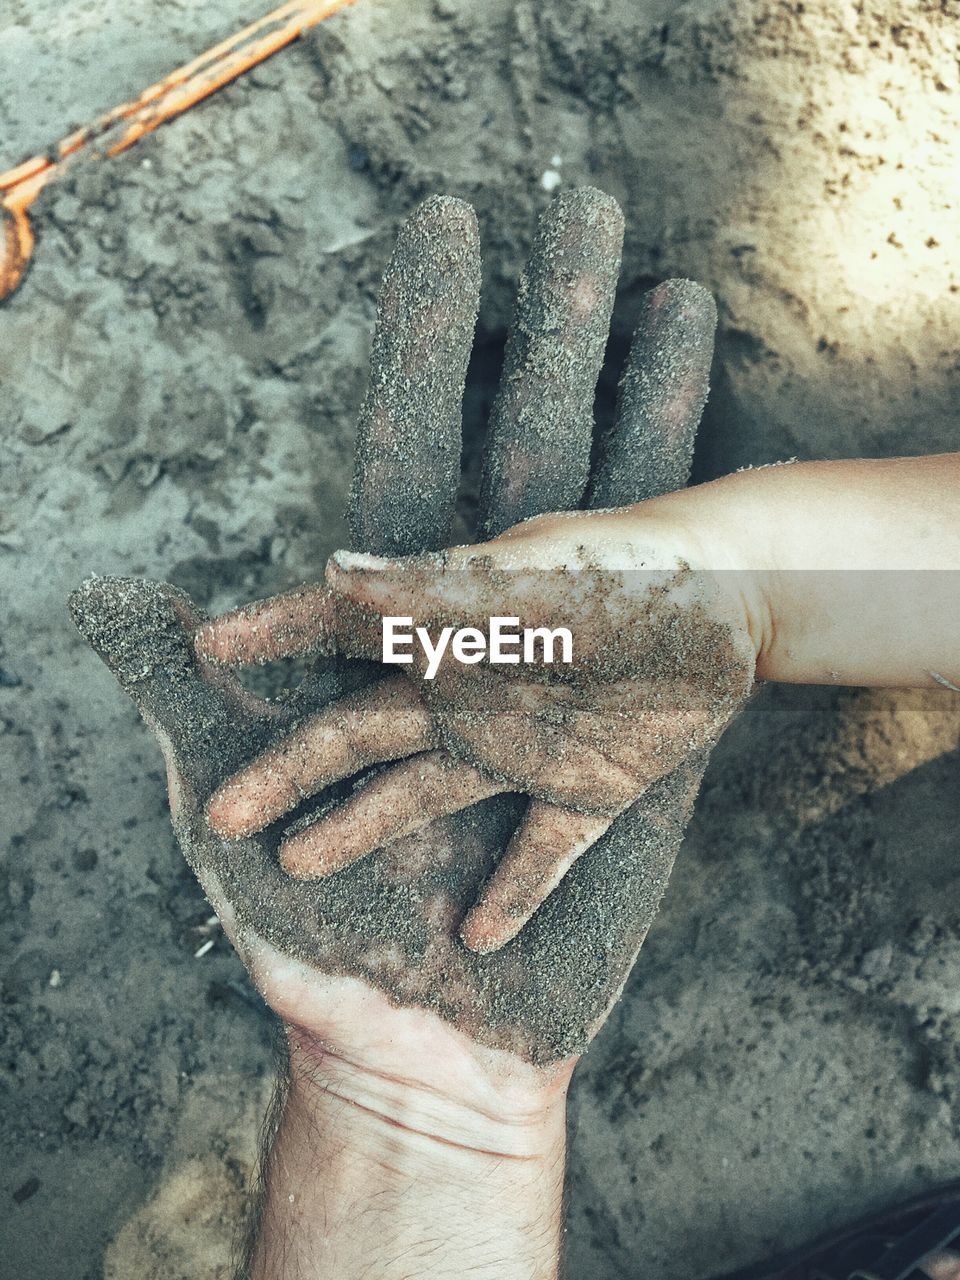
384 722
390 805
543 849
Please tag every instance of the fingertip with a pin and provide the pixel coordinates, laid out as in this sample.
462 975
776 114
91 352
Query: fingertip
443 216
354 573
359 561
302 857
590 206
687 297
483 935
228 815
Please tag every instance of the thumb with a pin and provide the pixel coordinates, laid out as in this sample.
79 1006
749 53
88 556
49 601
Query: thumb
459 582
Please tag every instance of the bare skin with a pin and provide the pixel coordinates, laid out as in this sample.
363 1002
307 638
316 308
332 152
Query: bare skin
404 1147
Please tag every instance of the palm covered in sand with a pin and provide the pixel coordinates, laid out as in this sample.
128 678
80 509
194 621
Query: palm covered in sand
655 663
322 950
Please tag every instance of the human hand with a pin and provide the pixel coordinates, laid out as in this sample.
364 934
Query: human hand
660 657
391 923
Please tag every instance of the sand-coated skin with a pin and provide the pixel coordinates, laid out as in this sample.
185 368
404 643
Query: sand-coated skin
537 455
393 918
409 433
662 393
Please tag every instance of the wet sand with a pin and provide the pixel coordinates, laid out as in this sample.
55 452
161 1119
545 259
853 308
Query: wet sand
181 376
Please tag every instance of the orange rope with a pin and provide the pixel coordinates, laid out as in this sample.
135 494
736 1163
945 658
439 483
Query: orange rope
124 125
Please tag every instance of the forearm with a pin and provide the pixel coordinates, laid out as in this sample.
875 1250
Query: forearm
369 1177
850 570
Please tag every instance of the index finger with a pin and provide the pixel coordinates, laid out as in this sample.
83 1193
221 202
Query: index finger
296 622
409 433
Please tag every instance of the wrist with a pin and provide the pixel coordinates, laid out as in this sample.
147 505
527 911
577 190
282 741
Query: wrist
372 1174
824 559
404 1147
728 530
503 1121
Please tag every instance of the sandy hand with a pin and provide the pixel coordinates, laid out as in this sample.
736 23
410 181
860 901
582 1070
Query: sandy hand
658 661
391 923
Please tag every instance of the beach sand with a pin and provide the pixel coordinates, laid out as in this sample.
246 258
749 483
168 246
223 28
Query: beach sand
180 379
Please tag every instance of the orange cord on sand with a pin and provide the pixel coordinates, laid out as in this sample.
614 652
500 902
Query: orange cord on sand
127 124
